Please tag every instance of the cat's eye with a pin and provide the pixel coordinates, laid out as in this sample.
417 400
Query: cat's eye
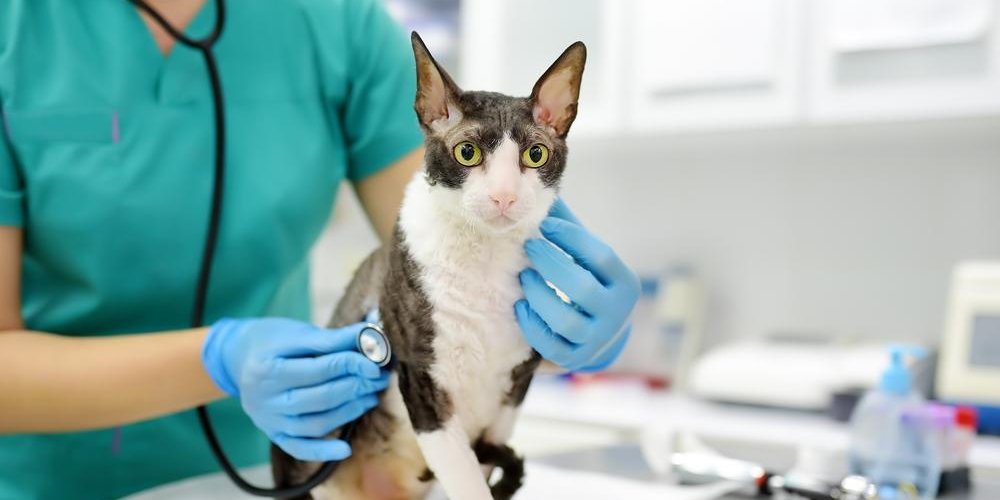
535 156
468 154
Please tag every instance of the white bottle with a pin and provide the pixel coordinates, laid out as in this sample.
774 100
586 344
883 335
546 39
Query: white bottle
890 447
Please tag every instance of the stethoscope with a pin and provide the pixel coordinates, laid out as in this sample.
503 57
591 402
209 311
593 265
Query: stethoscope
371 340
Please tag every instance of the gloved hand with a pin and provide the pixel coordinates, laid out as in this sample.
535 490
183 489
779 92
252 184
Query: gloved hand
296 381
591 332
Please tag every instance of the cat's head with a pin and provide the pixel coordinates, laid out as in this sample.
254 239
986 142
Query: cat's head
493 160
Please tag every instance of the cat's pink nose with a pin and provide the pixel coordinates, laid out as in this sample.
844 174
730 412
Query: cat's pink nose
503 200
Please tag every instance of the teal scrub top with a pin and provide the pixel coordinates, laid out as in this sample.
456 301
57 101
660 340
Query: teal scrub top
106 164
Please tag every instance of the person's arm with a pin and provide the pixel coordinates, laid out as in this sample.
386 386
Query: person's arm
381 194
53 383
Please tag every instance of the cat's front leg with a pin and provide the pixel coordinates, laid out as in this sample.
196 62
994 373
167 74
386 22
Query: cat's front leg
453 462
520 379
492 450
440 435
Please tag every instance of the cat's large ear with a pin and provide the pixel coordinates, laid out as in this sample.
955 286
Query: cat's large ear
437 94
556 93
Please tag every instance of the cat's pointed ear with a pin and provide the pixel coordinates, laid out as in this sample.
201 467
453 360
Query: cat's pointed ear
437 94
554 98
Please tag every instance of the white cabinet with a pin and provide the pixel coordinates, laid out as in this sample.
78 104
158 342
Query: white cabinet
710 64
902 59
507 45
678 65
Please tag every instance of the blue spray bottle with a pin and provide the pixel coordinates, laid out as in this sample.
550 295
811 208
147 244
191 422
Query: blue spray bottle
888 446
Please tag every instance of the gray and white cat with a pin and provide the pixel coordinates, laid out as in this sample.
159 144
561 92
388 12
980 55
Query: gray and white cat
445 286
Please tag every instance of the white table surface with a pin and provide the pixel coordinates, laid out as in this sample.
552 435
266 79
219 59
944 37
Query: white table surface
546 483
560 418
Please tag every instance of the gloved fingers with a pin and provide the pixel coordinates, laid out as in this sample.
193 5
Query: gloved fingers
317 425
610 353
329 395
562 318
576 282
592 253
304 372
319 341
560 210
313 450
550 345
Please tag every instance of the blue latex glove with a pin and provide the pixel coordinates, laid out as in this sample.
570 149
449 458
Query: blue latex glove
296 381
591 332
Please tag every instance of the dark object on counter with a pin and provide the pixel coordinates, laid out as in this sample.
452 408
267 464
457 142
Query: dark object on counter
705 467
842 404
955 481
850 488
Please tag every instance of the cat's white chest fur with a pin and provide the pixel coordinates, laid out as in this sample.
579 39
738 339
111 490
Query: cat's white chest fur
470 279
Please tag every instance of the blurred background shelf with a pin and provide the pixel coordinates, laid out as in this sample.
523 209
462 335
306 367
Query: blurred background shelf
616 412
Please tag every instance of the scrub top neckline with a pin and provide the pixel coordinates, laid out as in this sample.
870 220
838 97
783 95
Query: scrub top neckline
166 70
194 25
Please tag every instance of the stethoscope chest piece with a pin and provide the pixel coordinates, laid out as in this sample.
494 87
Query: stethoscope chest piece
373 344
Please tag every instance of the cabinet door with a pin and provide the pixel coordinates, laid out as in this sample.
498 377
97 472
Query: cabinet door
713 64
507 45
902 59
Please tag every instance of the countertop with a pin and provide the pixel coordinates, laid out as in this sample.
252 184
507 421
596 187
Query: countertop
574 435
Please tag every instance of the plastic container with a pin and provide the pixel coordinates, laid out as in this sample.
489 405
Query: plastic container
966 421
927 434
942 421
955 476
893 441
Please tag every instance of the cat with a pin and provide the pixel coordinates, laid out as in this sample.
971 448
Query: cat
445 287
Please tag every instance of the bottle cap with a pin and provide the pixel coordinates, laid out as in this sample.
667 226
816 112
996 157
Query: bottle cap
966 416
896 378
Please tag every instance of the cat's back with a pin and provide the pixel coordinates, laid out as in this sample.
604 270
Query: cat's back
363 292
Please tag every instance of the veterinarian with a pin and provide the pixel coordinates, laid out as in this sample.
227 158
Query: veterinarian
105 177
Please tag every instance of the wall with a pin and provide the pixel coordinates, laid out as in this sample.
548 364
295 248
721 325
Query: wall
846 230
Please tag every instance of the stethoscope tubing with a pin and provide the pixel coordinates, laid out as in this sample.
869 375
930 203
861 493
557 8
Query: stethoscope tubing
204 45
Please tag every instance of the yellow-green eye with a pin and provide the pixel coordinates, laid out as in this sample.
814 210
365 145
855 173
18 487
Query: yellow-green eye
468 154
535 156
